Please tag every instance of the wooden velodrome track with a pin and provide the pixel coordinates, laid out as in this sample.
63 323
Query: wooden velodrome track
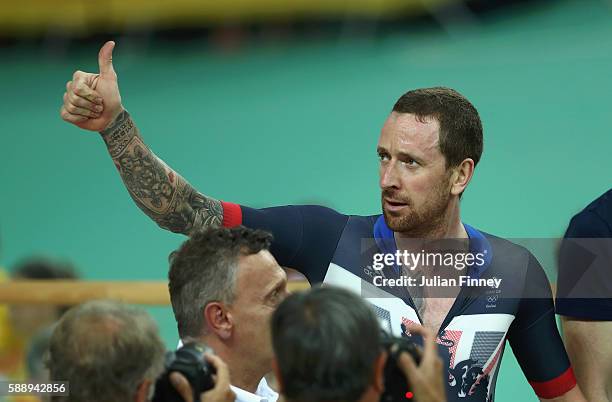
69 292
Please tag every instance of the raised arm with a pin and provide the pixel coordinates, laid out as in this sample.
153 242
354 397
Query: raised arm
158 190
93 102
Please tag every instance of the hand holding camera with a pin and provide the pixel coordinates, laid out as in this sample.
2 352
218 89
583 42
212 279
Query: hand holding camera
194 374
221 392
413 373
426 376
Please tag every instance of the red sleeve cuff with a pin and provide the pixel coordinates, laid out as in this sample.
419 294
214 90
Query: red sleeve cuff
555 387
232 214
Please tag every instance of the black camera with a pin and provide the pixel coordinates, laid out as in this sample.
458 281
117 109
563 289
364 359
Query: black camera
189 361
396 384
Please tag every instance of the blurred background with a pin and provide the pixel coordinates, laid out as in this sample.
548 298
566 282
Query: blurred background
272 102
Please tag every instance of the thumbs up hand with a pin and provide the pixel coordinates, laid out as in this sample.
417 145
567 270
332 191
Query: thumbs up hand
92 101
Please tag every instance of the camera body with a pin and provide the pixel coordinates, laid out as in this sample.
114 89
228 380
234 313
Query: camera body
190 362
396 384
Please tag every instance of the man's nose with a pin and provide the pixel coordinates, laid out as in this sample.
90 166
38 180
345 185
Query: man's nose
388 176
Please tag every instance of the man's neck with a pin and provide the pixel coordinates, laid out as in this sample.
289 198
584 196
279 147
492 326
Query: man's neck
449 228
433 302
244 377
244 374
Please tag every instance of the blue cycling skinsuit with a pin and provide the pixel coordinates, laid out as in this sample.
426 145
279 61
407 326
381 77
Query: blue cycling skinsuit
337 249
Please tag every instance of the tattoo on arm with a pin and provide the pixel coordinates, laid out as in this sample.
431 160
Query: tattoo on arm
158 190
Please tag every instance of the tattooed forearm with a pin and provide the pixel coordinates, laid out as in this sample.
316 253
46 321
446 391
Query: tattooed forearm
190 211
118 135
159 191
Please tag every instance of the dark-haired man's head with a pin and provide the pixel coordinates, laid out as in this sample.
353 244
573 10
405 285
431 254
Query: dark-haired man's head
428 149
326 342
27 320
107 351
224 286
43 268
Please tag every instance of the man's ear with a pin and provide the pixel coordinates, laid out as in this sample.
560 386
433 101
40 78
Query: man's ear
379 372
277 374
142 392
218 319
461 176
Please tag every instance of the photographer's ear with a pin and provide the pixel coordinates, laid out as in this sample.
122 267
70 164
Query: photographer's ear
277 374
379 372
142 392
218 319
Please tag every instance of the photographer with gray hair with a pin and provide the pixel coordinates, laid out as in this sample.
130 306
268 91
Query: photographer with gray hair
109 351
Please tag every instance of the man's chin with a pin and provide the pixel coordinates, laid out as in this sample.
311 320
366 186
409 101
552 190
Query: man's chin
394 220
